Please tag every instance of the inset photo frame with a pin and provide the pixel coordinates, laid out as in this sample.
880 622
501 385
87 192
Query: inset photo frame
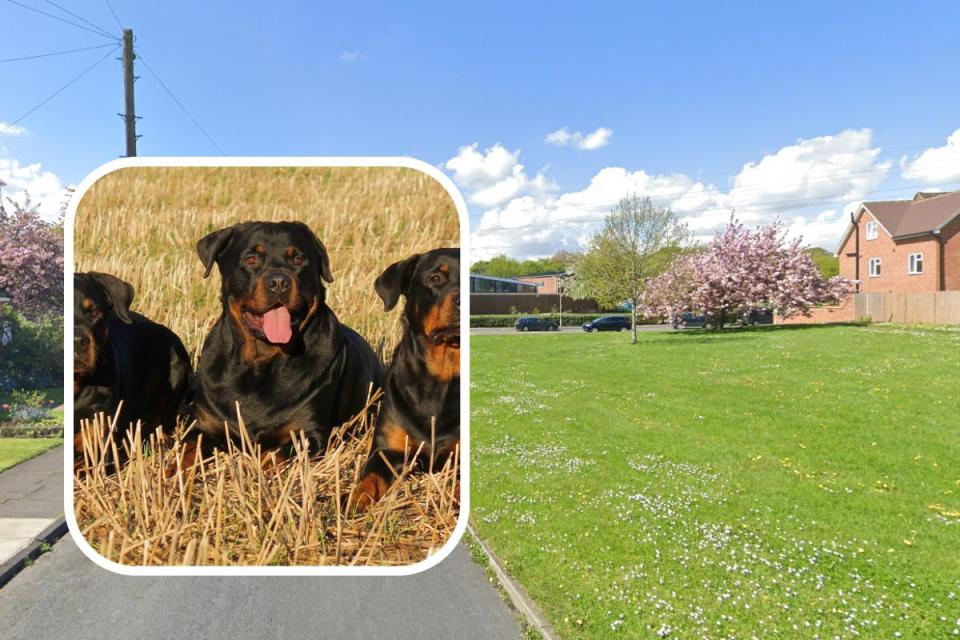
269 358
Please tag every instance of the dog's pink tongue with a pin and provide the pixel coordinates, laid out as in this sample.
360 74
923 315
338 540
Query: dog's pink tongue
276 325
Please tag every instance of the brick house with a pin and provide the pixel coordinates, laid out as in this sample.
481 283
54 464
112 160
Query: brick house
904 245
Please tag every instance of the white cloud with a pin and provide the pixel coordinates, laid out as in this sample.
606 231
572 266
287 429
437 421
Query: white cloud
494 175
565 138
937 165
350 56
794 183
11 130
43 187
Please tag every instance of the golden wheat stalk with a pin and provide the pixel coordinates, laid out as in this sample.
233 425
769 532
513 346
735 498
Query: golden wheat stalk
244 507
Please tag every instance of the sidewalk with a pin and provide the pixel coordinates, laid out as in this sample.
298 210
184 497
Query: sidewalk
31 509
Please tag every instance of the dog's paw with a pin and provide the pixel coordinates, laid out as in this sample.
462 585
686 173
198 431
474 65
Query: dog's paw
370 489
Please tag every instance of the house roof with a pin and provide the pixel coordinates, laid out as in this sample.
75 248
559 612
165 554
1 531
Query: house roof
926 213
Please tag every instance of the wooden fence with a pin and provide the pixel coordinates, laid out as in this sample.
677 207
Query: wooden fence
942 307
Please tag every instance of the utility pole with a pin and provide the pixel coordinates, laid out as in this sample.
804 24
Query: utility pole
129 116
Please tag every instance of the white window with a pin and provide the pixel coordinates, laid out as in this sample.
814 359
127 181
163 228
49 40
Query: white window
874 267
872 227
915 263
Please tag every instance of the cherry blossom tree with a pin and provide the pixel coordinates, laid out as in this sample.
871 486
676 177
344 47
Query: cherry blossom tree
740 271
31 260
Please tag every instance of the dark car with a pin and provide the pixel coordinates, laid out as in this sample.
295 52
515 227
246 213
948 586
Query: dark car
689 319
757 316
608 323
534 324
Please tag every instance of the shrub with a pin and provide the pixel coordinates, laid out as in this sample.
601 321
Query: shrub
33 355
28 406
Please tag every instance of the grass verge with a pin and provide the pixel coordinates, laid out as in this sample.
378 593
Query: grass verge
16 450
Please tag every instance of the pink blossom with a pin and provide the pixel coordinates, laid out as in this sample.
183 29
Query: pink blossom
743 270
31 262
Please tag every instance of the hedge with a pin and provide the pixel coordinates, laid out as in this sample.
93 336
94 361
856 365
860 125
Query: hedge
33 357
569 319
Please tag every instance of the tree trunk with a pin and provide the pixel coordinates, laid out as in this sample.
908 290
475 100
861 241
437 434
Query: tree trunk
634 340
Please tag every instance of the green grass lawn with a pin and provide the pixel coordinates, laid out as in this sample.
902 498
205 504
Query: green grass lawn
16 450
780 482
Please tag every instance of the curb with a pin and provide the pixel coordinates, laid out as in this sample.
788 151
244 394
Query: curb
18 562
518 597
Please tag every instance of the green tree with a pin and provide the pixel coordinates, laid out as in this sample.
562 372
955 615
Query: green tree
502 266
826 262
499 266
637 242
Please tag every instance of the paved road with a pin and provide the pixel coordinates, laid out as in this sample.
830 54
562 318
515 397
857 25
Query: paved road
499 331
31 502
65 595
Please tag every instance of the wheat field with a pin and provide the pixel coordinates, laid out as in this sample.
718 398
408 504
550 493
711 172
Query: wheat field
141 225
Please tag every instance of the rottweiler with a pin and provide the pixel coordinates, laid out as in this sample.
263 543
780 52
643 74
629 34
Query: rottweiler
121 355
421 392
277 348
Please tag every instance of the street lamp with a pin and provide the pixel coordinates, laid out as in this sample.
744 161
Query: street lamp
561 282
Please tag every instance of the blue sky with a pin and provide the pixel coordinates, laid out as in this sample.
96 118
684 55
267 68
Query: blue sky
797 111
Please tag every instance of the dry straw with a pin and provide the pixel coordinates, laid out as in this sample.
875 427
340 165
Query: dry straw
142 225
245 506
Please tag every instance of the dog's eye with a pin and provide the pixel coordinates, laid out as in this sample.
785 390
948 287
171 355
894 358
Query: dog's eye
94 313
251 260
435 280
296 261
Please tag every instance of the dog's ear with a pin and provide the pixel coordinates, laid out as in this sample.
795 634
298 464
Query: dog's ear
118 292
325 272
211 246
395 280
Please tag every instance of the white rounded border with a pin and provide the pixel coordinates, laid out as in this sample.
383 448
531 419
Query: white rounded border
173 570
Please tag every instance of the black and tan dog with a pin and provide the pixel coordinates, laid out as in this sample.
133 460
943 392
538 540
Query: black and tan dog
121 355
421 402
277 348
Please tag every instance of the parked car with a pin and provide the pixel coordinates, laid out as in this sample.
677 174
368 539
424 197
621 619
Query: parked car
757 316
689 319
531 323
608 323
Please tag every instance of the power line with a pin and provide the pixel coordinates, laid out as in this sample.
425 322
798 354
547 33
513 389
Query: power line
110 6
180 104
800 182
768 206
700 178
57 53
64 20
81 18
58 91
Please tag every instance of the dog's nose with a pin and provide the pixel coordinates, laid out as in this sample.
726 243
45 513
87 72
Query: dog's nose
278 282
